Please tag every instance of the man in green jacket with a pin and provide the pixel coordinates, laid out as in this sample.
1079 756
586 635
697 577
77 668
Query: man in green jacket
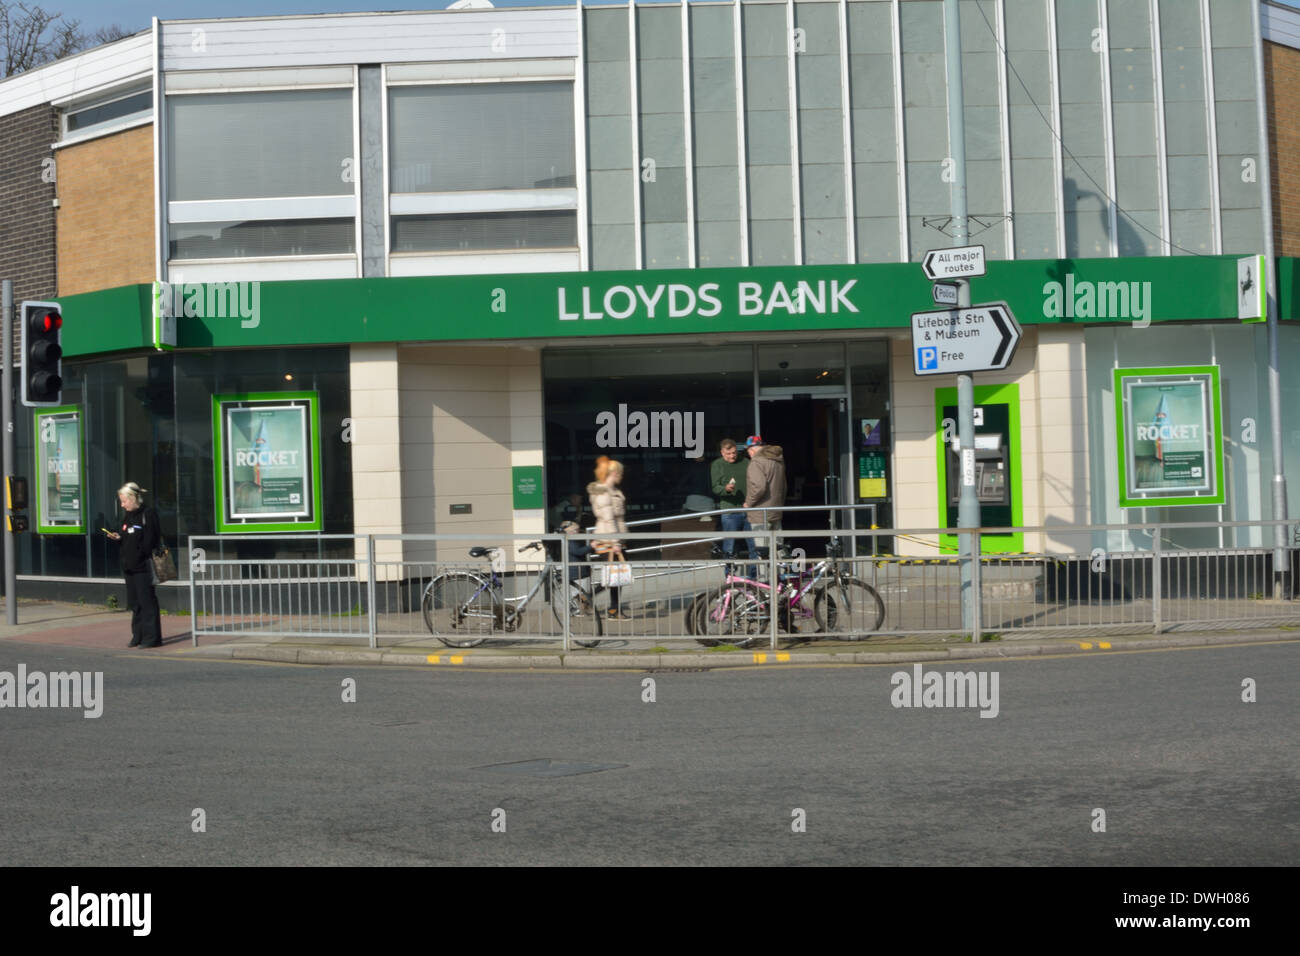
728 478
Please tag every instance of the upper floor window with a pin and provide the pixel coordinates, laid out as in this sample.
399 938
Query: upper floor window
483 167
106 114
266 173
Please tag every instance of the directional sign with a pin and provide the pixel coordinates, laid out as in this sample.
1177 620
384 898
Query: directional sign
979 339
945 294
961 262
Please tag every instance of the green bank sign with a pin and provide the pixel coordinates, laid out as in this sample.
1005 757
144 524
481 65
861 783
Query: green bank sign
648 302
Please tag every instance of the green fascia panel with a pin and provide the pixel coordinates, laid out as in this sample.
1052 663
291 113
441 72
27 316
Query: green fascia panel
1013 543
112 320
695 301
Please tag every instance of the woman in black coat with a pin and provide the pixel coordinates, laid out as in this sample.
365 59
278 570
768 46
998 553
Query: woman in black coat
140 536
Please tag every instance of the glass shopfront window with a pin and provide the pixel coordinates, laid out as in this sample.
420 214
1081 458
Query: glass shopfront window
825 403
148 419
660 411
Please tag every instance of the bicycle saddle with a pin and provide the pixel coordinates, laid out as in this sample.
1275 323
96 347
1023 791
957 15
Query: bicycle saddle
479 552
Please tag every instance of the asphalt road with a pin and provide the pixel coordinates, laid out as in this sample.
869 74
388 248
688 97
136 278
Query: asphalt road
285 771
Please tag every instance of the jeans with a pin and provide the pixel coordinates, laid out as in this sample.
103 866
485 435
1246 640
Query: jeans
737 521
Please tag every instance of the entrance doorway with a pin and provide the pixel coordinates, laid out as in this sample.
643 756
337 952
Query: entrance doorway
811 431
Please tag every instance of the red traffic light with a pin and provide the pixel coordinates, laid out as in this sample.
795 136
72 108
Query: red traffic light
42 353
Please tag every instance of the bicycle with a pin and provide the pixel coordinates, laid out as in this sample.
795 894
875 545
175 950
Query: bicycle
739 612
464 608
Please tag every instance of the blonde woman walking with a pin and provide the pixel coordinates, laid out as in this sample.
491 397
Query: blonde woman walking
609 506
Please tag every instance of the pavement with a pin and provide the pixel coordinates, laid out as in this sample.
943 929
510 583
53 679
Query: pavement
51 623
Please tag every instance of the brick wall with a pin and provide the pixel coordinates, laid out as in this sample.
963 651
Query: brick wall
1282 76
106 213
27 254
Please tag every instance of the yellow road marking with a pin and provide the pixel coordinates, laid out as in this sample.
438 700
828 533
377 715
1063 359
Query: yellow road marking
453 659
760 658
1085 645
783 658
1105 645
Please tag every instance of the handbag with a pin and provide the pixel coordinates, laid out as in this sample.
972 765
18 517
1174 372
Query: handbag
164 568
617 574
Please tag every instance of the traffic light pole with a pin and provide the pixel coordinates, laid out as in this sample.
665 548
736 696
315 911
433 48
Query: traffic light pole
7 411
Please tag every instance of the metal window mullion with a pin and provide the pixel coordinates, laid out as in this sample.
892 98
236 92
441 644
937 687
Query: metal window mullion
1162 145
359 213
1108 130
900 146
688 141
384 146
635 96
792 88
1211 128
846 118
1058 161
580 146
159 161
1004 110
742 158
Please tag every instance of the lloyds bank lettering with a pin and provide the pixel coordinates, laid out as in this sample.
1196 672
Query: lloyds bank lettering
677 300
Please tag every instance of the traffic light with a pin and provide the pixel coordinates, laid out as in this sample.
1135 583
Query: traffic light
42 354
15 500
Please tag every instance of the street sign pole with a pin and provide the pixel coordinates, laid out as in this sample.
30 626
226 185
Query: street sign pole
968 509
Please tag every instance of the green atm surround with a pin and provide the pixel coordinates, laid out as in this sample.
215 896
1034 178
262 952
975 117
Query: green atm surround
1007 396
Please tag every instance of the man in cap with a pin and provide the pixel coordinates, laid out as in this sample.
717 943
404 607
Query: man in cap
764 483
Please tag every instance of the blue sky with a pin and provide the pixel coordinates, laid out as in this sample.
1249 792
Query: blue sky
135 14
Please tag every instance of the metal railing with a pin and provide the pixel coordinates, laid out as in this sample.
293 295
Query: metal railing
1153 579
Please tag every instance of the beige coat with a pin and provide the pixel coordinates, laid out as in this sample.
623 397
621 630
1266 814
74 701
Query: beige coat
765 486
609 506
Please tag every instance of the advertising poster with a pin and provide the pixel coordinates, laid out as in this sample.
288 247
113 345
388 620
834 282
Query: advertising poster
1169 433
59 488
269 465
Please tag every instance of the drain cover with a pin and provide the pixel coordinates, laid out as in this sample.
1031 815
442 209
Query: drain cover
551 768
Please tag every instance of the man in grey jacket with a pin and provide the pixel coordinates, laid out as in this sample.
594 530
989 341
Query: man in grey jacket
764 483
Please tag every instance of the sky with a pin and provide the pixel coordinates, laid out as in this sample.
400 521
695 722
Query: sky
135 14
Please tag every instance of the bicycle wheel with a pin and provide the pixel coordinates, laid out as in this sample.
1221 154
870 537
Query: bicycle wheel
734 614
584 621
691 616
461 609
850 608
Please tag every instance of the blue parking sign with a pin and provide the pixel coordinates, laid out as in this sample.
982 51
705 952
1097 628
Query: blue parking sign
927 357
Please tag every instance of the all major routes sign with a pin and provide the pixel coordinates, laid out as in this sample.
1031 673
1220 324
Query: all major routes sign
959 262
979 339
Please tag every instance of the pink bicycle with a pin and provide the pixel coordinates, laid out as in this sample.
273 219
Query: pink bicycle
827 594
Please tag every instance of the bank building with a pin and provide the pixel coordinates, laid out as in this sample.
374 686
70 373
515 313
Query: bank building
410 273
